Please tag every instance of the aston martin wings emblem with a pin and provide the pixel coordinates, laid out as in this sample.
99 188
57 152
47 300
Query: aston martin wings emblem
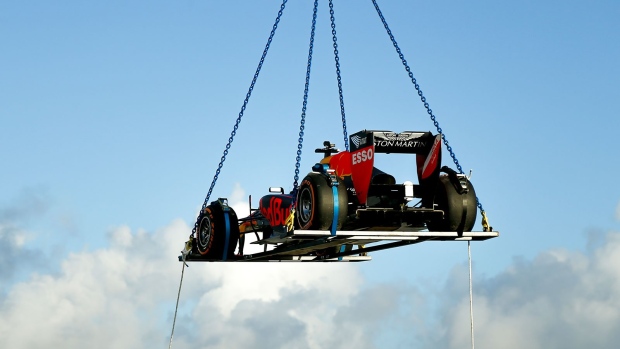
405 136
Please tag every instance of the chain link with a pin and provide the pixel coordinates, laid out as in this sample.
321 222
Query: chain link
305 103
337 59
422 98
245 103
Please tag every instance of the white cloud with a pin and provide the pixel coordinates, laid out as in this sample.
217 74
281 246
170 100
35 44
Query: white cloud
10 247
560 299
28 204
103 298
238 200
13 249
124 295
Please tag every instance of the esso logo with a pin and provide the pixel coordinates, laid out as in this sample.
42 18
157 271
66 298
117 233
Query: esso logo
362 156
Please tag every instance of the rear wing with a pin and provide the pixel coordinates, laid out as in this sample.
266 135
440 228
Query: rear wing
407 142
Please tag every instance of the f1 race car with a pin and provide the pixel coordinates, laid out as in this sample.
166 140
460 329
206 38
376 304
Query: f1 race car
345 206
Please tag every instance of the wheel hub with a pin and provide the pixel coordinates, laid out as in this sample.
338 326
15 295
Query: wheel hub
204 232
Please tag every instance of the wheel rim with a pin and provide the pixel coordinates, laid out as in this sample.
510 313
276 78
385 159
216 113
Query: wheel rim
305 203
204 233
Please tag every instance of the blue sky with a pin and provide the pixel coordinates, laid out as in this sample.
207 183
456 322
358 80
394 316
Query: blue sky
113 118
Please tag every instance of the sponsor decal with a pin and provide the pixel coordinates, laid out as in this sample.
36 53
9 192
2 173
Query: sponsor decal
399 140
362 163
276 213
400 144
358 141
432 160
362 156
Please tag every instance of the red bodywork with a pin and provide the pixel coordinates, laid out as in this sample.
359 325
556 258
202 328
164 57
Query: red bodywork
358 164
356 167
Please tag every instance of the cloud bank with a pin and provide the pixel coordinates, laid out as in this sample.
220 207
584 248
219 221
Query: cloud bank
560 299
124 295
15 255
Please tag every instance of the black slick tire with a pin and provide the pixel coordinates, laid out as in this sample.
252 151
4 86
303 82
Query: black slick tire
315 203
460 210
211 232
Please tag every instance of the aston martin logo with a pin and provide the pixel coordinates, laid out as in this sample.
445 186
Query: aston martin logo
400 140
401 137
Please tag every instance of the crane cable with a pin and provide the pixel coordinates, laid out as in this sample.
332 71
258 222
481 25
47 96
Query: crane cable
303 110
307 85
338 77
225 153
291 217
243 107
485 224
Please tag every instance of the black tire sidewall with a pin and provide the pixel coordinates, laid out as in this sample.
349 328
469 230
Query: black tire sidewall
316 188
212 217
213 247
448 199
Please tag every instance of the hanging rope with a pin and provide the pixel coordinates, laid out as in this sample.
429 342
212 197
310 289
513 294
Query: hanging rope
337 59
245 103
176 308
471 296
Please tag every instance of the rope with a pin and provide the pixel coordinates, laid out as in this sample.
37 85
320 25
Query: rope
177 306
471 296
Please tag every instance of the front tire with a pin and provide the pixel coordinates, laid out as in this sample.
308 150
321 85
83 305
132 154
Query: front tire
211 233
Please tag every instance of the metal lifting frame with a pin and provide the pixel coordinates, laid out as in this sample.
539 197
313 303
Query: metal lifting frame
302 243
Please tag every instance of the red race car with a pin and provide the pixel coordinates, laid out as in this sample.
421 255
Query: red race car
346 207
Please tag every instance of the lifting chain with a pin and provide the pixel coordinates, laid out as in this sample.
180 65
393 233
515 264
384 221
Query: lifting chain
337 59
426 105
305 103
245 103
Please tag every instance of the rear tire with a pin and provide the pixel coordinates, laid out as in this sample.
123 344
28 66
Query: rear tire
460 210
315 203
211 232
